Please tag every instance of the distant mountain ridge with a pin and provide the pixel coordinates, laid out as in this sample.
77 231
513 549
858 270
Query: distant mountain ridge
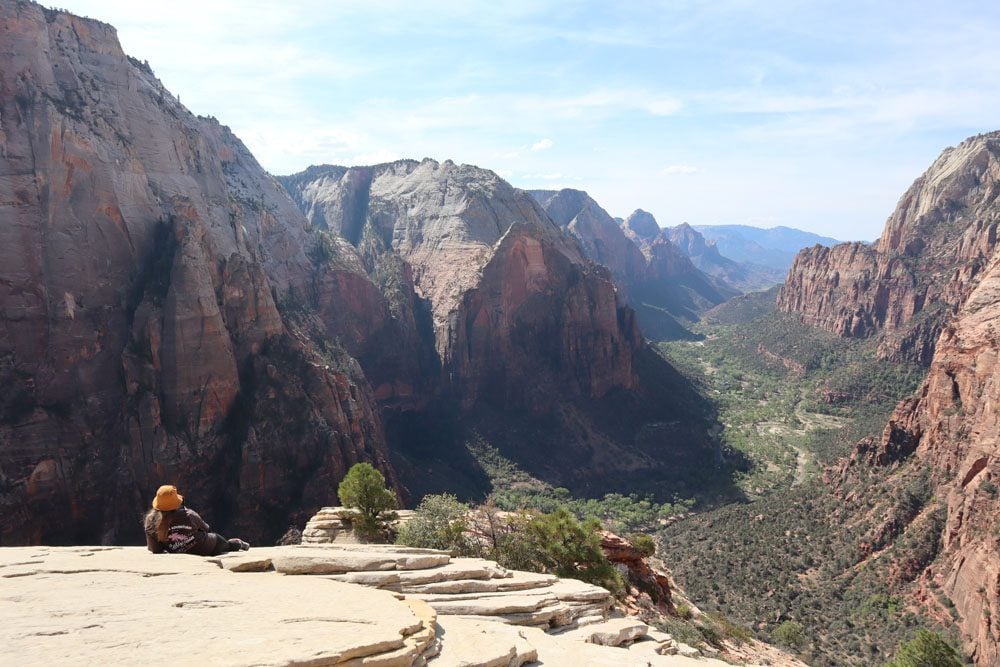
659 280
704 253
775 247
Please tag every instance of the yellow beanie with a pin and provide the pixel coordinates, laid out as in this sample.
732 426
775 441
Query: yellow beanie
167 499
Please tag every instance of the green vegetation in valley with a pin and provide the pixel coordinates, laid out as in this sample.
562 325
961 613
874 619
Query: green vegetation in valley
790 397
514 489
796 562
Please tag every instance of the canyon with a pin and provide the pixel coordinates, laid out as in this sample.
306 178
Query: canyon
168 313
929 288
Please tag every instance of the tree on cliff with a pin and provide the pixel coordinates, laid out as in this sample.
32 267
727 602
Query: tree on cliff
562 545
927 649
363 488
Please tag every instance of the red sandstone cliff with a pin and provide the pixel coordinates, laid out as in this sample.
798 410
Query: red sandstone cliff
143 258
952 426
937 248
929 258
167 313
517 318
516 311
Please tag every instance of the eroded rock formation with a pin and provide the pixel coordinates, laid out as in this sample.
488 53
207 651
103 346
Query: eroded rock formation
929 258
517 318
953 427
934 270
145 258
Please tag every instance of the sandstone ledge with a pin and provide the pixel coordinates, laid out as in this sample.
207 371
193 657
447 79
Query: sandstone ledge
122 605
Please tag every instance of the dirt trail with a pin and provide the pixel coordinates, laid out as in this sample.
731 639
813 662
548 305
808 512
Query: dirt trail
808 421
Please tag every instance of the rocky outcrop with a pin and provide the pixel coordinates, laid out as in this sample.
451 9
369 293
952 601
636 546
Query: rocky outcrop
929 258
106 603
952 427
192 601
154 285
641 577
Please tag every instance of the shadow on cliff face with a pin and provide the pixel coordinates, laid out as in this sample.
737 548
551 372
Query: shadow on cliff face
654 441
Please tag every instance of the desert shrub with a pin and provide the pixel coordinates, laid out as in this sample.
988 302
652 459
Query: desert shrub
729 630
790 634
363 488
438 523
927 649
645 544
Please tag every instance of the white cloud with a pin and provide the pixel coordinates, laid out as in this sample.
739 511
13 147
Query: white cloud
680 169
555 176
663 106
542 145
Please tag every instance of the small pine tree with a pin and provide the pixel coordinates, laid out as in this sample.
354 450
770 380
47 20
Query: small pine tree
363 488
927 649
569 548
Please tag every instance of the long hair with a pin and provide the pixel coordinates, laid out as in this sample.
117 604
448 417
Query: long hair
155 524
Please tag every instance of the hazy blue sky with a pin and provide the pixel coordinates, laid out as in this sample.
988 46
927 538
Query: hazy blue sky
815 115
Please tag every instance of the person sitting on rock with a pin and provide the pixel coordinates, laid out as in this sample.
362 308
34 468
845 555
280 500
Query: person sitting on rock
172 528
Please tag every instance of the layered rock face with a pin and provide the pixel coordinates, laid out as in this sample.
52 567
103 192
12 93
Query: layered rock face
533 348
929 258
517 312
953 426
657 278
144 255
938 248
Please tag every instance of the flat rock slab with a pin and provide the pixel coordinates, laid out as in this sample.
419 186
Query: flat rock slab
463 568
126 606
579 591
491 606
305 559
518 580
388 579
467 642
332 563
612 632
23 561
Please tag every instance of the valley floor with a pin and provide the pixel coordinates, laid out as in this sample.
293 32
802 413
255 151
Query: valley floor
796 552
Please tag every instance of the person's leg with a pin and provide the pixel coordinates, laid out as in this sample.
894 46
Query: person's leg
224 545
237 544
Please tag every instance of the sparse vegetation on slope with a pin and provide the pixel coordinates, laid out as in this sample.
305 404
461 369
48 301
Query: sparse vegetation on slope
823 567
